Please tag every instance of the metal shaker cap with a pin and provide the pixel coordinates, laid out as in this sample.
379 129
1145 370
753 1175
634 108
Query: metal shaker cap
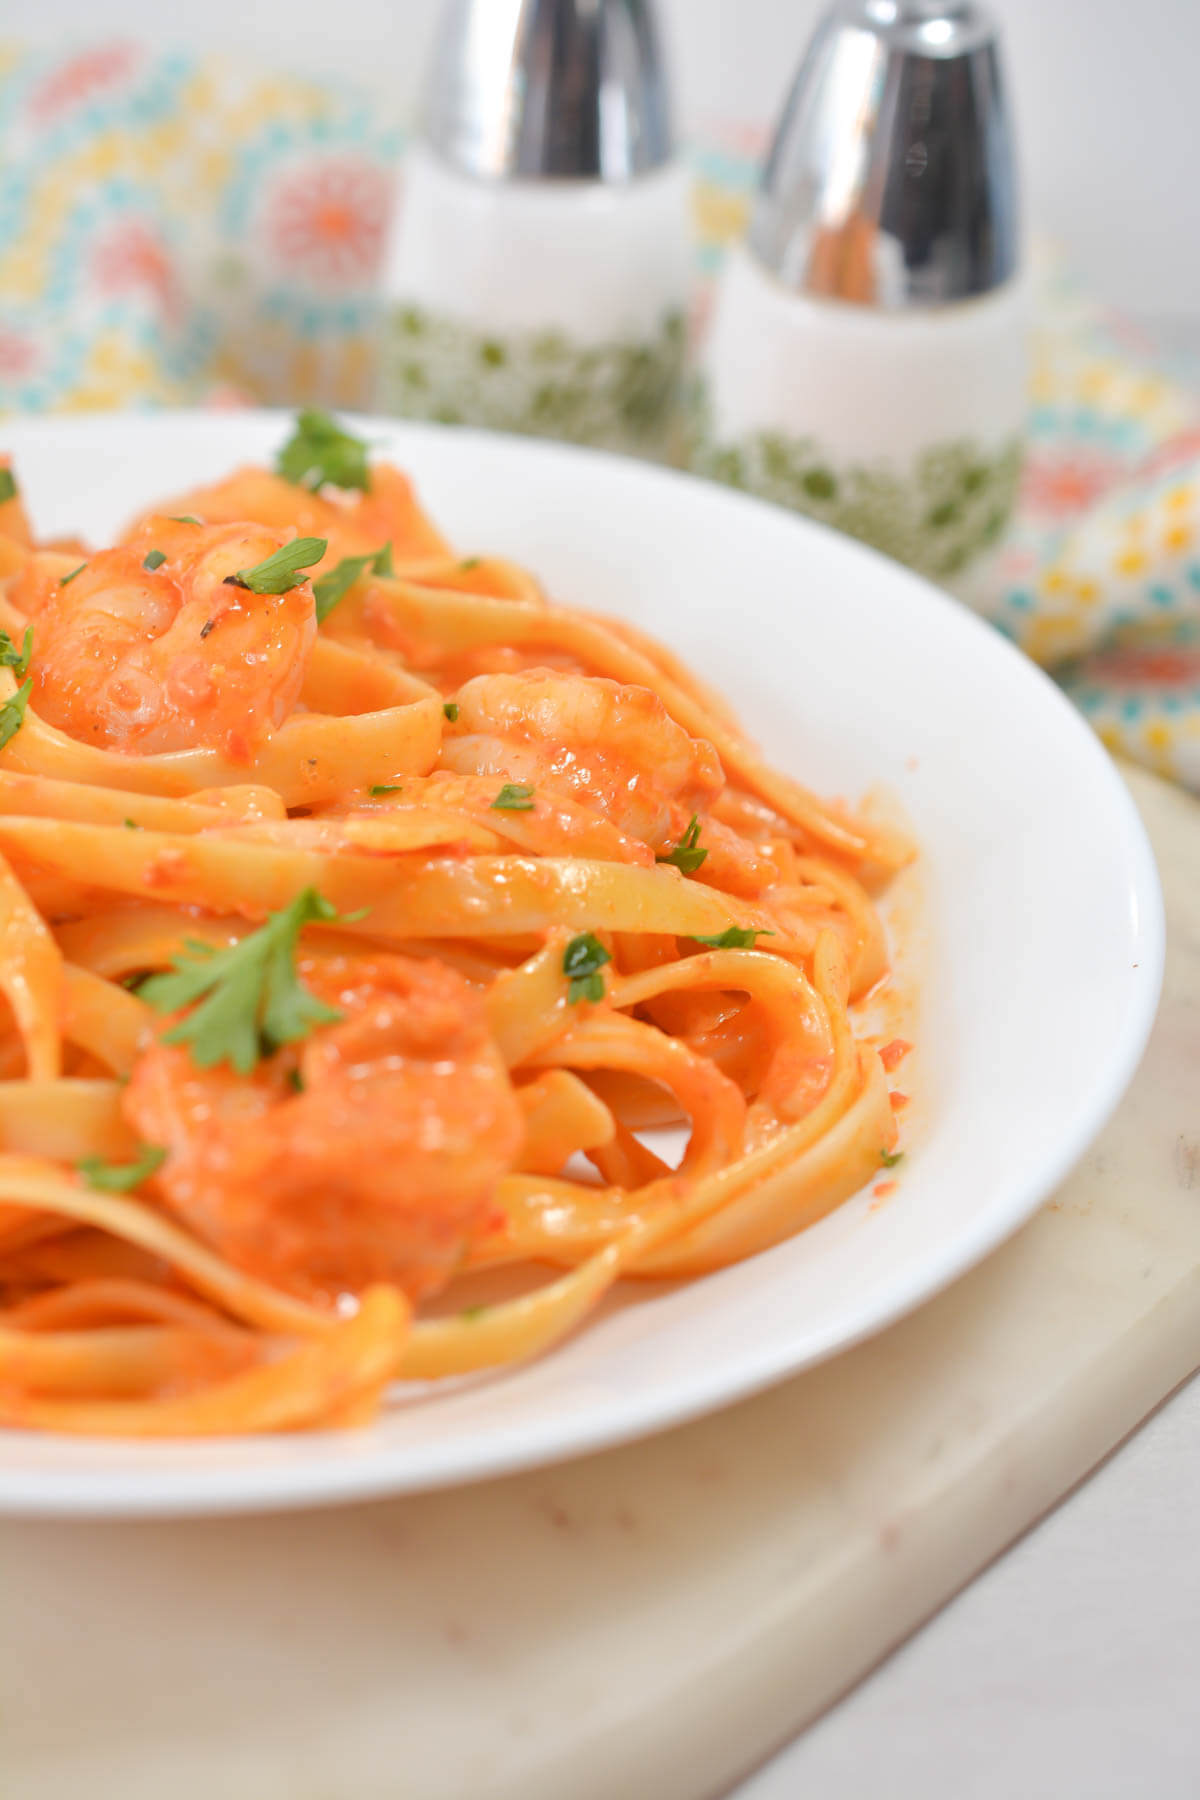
530 89
891 181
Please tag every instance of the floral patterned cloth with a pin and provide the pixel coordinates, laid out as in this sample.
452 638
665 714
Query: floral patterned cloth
175 228
172 227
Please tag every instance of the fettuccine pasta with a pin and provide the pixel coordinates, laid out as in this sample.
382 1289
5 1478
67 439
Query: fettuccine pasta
364 912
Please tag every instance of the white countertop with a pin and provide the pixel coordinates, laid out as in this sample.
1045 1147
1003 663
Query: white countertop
1067 1671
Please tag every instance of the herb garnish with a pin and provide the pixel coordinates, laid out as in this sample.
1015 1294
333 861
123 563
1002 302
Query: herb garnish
687 854
119 1178
889 1158
736 937
11 657
450 710
250 998
154 559
281 571
184 519
72 575
514 796
384 787
329 589
8 486
319 451
583 959
12 713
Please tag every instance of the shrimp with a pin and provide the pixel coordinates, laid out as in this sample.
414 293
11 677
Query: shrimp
273 1170
613 748
172 657
610 747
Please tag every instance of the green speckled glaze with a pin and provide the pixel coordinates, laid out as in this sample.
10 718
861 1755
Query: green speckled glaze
622 395
936 515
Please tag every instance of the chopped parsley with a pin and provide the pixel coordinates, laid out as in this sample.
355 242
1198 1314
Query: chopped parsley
8 486
889 1158
687 854
736 937
319 451
329 589
11 657
450 710
295 1081
74 572
154 559
583 959
469 562
514 796
184 519
12 713
132 825
384 787
248 999
119 1178
281 571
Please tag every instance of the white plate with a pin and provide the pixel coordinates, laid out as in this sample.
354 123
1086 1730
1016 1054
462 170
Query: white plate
1044 934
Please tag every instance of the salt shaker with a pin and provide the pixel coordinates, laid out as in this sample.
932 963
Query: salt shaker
540 268
866 361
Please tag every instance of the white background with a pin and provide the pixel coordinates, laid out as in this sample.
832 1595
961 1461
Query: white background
1107 95
1070 1669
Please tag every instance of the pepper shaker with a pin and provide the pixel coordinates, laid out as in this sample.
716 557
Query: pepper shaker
866 362
540 269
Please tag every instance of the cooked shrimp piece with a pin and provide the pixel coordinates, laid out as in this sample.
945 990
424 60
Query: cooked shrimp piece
172 657
612 747
552 824
372 1154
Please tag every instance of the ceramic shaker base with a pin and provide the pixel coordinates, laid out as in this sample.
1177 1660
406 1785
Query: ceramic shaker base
902 429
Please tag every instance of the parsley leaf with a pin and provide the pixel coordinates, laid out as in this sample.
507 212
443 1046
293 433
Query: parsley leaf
889 1158
450 709
687 854
11 657
8 486
736 937
384 787
132 825
583 959
184 519
514 796
250 999
12 713
72 575
282 570
154 559
329 589
119 1178
469 562
319 451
